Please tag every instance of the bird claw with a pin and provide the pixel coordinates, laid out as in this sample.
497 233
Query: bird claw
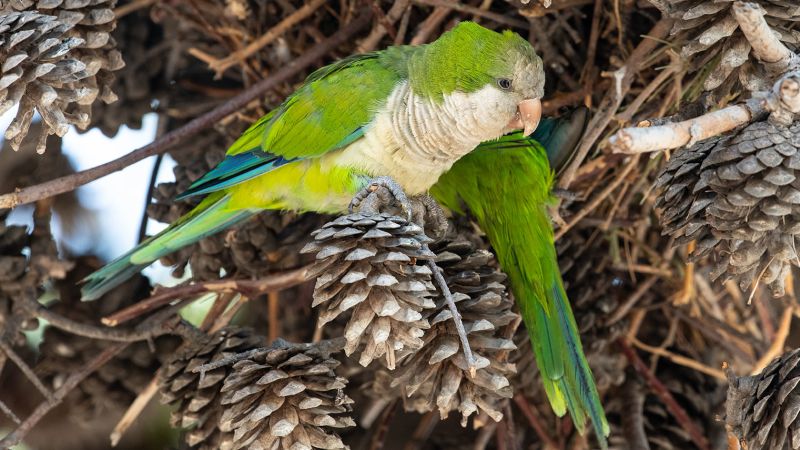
428 214
381 201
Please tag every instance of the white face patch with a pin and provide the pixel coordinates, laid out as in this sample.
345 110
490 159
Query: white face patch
414 139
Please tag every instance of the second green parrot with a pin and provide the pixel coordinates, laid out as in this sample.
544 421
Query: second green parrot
506 186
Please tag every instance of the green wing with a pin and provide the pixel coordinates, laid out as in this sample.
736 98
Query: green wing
510 205
328 112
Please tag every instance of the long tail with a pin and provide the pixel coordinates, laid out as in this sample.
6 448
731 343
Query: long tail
209 217
510 207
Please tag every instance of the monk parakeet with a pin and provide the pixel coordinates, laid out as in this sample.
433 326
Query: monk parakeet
407 113
509 201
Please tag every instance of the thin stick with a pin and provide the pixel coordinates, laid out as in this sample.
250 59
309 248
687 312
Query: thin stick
221 65
26 369
613 99
249 288
8 412
665 395
679 359
766 46
273 303
776 348
150 188
462 333
70 383
133 411
133 6
67 183
460 7
619 179
643 140
141 333
535 422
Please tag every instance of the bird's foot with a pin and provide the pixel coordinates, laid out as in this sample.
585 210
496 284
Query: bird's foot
427 213
565 194
379 194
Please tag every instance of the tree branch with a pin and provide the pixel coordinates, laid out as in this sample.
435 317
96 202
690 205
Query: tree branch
249 288
766 46
673 135
70 383
171 139
665 395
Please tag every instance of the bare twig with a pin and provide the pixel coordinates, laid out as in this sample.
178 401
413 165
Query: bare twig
142 332
133 411
369 43
613 99
70 383
674 135
25 369
250 288
460 7
535 422
633 418
765 45
67 183
665 395
680 360
776 348
451 304
619 179
8 412
221 65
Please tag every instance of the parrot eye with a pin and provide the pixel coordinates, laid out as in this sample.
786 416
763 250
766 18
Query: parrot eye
504 83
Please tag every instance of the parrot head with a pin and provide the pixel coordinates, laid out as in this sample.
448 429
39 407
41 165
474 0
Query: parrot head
497 77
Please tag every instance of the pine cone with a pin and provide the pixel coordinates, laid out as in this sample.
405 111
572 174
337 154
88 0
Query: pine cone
713 39
57 60
437 376
284 397
142 81
196 396
367 264
738 196
762 409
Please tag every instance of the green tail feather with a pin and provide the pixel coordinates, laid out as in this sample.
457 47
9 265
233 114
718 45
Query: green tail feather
209 217
510 205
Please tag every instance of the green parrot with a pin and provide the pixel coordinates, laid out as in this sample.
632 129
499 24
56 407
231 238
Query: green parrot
510 205
399 117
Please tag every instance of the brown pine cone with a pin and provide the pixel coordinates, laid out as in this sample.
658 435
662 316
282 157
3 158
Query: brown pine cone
196 396
437 376
715 47
142 82
58 60
738 197
285 397
367 264
762 410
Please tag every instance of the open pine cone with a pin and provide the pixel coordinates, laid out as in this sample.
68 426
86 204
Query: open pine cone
367 263
717 49
285 397
437 376
762 410
738 196
196 396
57 60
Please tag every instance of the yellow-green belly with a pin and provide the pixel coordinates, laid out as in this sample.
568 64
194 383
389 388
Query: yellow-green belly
308 185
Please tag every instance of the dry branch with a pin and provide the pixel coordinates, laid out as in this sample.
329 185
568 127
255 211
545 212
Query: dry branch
674 135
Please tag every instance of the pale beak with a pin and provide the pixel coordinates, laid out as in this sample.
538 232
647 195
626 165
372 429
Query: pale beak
529 112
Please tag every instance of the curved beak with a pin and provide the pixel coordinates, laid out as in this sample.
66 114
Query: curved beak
529 112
